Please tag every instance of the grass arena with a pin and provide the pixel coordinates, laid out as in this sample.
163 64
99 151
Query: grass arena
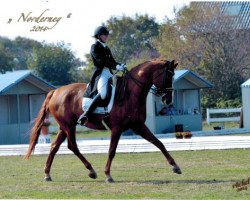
208 174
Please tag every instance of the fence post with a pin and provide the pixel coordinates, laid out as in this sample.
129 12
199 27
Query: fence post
208 116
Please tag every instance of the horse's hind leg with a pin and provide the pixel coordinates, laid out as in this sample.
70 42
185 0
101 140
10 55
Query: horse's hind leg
143 131
115 136
61 136
73 147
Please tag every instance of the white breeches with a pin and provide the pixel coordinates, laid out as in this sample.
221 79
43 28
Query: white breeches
103 81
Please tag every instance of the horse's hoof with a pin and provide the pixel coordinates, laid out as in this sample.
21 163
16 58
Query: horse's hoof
48 178
109 180
93 175
177 170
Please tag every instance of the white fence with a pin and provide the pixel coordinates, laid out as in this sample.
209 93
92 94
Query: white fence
223 119
137 145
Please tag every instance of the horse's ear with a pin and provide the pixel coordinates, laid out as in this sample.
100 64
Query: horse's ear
173 64
167 64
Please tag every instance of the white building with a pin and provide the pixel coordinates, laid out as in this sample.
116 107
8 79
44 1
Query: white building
187 105
21 97
245 88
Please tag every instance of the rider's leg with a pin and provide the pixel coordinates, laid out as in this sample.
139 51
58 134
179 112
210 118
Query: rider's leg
84 117
102 84
102 92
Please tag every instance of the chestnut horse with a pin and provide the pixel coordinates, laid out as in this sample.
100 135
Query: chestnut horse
65 104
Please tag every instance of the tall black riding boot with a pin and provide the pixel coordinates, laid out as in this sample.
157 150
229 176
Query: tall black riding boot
84 117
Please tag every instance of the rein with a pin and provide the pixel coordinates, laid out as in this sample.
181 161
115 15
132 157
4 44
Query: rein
122 89
156 91
137 82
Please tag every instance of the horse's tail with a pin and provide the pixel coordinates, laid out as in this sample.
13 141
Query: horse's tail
35 132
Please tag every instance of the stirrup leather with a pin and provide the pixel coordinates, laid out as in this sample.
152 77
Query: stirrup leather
84 117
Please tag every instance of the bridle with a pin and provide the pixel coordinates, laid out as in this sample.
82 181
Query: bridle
164 89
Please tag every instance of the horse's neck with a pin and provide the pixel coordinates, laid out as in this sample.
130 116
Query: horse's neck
144 73
143 76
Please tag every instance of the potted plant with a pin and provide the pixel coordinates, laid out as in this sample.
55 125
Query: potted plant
187 134
178 135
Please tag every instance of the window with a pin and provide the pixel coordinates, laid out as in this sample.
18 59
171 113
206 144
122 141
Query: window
191 101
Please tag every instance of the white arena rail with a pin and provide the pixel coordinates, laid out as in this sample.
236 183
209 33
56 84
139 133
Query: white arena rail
137 145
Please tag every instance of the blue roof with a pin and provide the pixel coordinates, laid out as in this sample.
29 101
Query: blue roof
246 84
179 73
192 77
236 13
10 79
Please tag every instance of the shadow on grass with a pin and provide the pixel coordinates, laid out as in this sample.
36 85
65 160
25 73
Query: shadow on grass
160 182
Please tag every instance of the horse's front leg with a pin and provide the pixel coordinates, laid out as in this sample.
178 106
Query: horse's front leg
142 130
115 136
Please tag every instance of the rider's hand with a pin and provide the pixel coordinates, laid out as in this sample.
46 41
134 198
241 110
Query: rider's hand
120 67
125 66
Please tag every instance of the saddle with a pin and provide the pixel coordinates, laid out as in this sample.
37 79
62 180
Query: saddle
103 105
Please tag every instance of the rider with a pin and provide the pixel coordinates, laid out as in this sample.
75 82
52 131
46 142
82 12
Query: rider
103 64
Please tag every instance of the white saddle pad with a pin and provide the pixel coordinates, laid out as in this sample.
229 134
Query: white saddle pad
100 110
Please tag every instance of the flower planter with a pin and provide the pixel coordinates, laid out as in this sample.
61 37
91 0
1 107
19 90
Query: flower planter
181 135
178 135
187 135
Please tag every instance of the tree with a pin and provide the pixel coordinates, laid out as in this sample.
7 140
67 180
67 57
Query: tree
132 36
86 72
131 39
6 60
18 50
206 41
22 49
54 63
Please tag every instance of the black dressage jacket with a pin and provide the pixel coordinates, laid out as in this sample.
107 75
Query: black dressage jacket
102 57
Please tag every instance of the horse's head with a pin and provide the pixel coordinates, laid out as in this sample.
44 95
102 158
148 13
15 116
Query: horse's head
163 81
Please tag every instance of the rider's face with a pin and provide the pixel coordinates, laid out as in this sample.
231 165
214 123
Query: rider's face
104 38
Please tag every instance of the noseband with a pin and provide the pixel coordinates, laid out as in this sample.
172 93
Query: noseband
164 89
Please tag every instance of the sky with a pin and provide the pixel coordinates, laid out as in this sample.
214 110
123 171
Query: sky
73 21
